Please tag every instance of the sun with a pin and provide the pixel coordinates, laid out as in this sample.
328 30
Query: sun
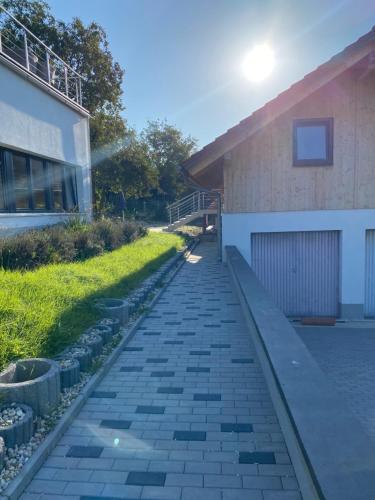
259 63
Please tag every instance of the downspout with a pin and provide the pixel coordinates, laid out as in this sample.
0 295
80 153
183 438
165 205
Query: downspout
193 184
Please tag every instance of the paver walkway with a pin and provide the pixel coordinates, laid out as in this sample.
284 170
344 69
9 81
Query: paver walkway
183 414
346 354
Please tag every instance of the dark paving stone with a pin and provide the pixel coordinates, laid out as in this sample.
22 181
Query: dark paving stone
189 319
236 428
207 397
115 424
213 300
173 323
174 342
189 436
212 326
200 353
197 369
157 360
220 346
243 360
142 328
213 309
133 349
162 374
233 304
152 333
193 307
186 334
153 317
84 451
103 394
205 315
228 321
152 410
131 368
257 457
170 390
85 497
146 478
169 313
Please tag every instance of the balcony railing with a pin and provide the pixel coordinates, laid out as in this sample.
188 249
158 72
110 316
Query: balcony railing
21 47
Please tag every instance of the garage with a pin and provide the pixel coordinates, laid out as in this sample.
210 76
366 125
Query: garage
299 269
369 308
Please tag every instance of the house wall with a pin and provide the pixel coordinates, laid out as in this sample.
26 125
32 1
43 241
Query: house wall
261 176
34 121
352 224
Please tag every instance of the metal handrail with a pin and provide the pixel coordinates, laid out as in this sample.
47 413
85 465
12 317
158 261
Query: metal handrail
190 204
19 45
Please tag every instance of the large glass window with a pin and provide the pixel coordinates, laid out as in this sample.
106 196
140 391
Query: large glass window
21 181
30 183
38 178
313 142
57 176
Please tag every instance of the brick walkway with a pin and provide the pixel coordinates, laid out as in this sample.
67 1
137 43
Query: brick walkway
183 414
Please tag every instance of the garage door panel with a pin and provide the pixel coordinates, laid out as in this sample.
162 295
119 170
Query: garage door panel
299 269
369 308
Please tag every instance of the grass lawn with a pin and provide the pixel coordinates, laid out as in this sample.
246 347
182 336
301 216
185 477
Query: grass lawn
42 311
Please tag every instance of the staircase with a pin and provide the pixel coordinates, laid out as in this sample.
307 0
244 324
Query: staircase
193 206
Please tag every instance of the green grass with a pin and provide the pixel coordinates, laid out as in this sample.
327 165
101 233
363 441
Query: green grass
44 310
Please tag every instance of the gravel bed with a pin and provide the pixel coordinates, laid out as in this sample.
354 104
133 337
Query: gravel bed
10 415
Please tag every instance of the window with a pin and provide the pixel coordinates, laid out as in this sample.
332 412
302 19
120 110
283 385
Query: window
21 181
29 183
313 142
57 186
38 177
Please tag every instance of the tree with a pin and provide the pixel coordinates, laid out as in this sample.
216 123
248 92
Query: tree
167 149
128 171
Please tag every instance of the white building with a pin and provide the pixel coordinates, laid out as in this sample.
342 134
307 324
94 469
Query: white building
45 171
298 184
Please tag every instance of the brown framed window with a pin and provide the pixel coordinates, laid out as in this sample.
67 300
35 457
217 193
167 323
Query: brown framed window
313 142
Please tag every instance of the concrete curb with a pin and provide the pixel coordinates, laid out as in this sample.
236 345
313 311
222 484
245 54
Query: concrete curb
20 482
332 456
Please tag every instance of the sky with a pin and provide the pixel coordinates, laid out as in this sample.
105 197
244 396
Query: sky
183 58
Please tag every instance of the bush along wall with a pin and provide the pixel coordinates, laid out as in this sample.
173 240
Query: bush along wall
69 242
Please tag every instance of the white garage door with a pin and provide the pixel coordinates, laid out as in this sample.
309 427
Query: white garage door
370 274
299 269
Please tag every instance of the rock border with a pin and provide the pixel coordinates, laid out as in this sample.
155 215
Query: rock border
17 486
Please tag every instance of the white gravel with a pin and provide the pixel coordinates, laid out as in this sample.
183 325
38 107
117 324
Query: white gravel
10 415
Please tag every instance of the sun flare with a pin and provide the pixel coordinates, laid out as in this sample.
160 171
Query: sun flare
259 63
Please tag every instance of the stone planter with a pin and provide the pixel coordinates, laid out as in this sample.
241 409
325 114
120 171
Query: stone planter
113 323
95 343
105 332
82 353
21 431
2 453
114 308
69 371
34 381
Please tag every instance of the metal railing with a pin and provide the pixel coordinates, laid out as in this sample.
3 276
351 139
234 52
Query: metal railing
19 45
190 204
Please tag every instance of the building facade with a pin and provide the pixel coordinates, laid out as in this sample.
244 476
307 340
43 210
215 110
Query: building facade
298 182
45 169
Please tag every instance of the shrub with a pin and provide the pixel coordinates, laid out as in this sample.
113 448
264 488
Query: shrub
75 240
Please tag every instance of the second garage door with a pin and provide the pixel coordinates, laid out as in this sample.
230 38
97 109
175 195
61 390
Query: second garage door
299 269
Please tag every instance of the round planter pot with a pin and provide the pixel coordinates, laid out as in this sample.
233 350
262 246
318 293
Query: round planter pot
69 371
113 323
2 453
34 382
114 308
21 431
82 353
105 332
95 343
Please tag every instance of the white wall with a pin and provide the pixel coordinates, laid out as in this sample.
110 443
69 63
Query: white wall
34 121
237 229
